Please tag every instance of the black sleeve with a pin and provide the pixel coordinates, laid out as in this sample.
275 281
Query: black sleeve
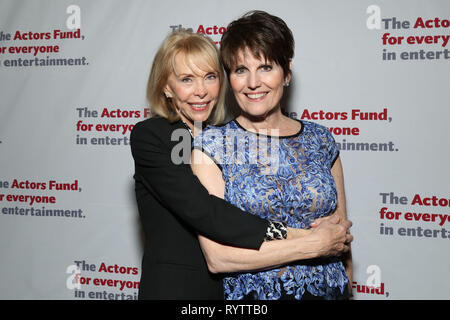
180 191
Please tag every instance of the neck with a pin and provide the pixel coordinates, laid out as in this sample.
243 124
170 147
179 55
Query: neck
186 121
273 120
195 127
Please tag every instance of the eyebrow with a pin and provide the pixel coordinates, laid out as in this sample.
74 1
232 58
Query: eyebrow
184 75
181 75
267 63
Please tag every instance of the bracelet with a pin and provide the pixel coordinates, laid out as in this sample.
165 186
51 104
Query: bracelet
276 231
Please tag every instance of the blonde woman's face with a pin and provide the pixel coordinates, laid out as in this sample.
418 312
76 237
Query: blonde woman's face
193 91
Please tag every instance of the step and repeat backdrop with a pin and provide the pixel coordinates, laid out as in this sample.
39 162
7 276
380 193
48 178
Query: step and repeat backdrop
72 85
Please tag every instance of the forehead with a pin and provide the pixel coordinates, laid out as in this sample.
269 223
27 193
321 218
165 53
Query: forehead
196 64
247 56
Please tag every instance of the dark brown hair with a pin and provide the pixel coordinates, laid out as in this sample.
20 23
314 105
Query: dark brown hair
267 36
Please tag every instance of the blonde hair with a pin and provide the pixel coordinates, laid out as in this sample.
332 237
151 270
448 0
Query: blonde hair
200 51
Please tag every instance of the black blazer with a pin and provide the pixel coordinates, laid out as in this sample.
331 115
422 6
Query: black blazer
173 207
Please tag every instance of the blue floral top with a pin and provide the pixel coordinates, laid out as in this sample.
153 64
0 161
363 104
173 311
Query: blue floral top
285 179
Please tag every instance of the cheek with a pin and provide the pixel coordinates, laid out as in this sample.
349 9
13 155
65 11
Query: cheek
278 90
276 81
215 90
236 84
181 93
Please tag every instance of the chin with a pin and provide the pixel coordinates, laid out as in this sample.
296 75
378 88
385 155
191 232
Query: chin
200 118
257 113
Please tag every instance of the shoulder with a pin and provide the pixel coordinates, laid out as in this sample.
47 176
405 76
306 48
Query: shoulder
156 127
312 127
150 124
212 140
212 134
319 131
219 128
158 134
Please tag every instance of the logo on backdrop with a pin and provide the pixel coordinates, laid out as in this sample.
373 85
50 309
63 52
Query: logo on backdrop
420 39
104 282
37 48
39 199
214 32
348 136
373 285
400 216
107 126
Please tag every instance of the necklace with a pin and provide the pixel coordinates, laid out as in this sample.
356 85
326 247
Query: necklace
185 124
187 127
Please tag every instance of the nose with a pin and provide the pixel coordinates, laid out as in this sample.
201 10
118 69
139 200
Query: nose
253 81
200 89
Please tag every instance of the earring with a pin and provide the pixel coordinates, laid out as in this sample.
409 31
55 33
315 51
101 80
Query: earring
286 84
167 95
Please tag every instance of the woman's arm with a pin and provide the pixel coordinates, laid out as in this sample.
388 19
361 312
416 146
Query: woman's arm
327 239
341 210
221 258
176 188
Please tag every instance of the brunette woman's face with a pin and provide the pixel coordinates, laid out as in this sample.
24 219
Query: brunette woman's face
257 84
193 91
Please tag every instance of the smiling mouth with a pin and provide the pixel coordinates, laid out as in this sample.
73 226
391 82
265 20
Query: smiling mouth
256 96
199 106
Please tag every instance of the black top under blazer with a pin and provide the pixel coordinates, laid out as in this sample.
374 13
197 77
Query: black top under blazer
173 207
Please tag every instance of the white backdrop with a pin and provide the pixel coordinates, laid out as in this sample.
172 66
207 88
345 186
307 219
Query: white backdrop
375 72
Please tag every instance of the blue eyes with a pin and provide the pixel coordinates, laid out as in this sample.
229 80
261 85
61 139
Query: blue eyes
209 77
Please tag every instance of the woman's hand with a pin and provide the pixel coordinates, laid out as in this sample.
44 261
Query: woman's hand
334 236
331 218
330 235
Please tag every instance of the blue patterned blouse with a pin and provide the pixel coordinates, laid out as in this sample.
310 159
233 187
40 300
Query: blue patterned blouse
285 179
